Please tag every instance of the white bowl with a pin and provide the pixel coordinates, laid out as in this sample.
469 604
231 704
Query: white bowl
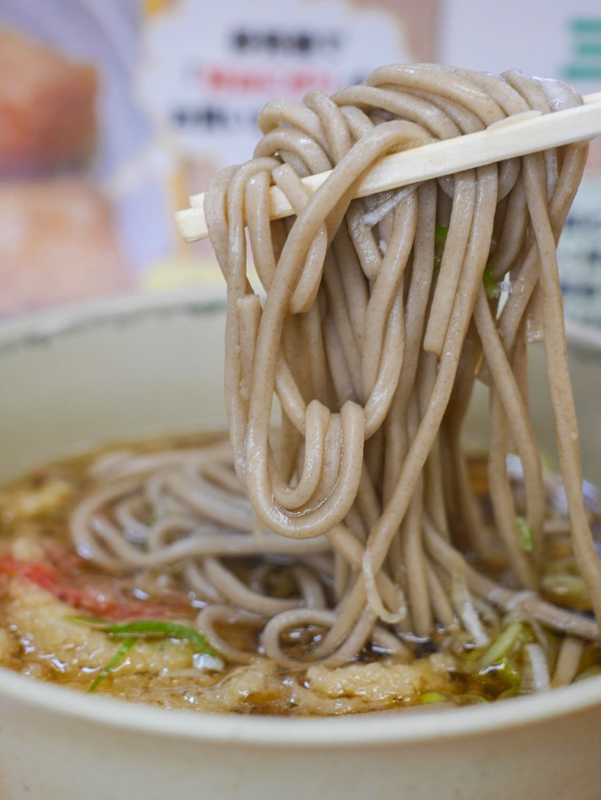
122 367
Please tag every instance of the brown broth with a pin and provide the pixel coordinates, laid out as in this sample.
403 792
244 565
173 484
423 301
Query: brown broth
43 582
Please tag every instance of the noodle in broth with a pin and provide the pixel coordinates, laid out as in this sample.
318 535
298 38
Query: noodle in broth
373 354
379 316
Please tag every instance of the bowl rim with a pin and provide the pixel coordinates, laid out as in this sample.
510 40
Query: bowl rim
357 730
362 730
54 323
583 337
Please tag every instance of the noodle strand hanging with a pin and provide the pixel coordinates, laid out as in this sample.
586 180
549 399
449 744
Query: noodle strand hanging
375 320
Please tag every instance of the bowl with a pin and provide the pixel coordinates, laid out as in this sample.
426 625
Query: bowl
123 367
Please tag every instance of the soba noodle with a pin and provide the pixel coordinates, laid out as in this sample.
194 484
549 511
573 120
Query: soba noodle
379 315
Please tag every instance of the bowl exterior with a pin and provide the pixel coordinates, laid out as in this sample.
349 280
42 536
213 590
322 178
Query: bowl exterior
49 755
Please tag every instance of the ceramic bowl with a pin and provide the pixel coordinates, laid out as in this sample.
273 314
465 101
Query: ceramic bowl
72 378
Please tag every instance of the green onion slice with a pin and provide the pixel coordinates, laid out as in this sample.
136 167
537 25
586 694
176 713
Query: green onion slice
440 234
114 662
431 697
502 645
490 285
150 629
525 534
470 699
440 237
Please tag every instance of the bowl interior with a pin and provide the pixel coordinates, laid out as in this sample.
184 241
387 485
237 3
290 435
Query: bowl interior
109 371
127 367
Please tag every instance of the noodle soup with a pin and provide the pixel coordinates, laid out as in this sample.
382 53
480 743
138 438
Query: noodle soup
133 631
52 739
357 558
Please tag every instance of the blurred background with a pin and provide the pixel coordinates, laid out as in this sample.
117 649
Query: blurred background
113 111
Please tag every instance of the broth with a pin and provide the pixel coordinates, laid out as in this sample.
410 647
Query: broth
56 608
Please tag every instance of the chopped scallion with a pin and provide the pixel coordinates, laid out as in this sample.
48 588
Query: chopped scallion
567 589
490 285
440 237
513 692
440 234
470 699
501 646
431 697
113 663
525 534
504 669
150 629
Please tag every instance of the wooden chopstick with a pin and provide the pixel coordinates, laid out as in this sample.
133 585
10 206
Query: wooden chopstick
519 135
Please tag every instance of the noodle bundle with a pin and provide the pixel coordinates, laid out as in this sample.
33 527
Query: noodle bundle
379 316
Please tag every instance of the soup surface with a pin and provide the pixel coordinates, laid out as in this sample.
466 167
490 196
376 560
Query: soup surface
137 633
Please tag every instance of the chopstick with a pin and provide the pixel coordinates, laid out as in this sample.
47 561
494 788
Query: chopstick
519 135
